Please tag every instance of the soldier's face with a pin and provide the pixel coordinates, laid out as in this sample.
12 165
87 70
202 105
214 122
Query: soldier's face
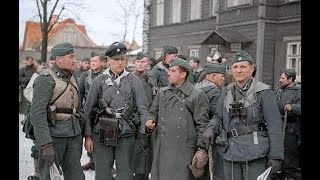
242 71
176 75
142 64
117 66
95 63
284 81
169 58
218 79
67 62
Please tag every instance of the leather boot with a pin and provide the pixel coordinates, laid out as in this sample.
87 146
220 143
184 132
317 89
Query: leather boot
36 170
89 165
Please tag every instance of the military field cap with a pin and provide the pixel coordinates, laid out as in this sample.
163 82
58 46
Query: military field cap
141 55
93 54
115 50
62 49
181 63
215 68
182 57
289 72
169 50
195 59
241 56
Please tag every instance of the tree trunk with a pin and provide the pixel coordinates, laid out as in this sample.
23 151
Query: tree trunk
146 24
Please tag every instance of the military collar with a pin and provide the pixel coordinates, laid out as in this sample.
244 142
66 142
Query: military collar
114 76
245 87
60 73
186 88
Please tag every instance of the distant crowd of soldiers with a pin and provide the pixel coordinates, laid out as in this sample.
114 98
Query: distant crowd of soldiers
165 118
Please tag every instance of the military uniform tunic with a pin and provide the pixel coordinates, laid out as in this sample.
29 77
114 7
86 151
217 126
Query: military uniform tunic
292 96
178 132
260 103
65 131
103 87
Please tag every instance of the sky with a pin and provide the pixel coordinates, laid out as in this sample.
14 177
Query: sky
98 16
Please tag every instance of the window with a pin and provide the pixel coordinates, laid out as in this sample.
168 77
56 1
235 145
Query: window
232 3
160 12
195 9
294 57
176 11
157 54
70 37
214 7
194 52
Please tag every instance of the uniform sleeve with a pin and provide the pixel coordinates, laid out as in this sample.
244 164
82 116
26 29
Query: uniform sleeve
82 89
141 103
201 115
90 103
153 76
216 120
42 91
273 119
28 91
23 80
154 109
296 107
213 102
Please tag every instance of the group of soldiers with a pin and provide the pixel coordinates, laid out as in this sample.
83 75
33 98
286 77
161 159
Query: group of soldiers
171 118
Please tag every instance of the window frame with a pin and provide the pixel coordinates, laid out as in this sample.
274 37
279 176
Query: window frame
191 14
236 3
176 11
159 12
290 55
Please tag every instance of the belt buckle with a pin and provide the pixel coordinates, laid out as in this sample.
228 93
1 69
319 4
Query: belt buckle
234 133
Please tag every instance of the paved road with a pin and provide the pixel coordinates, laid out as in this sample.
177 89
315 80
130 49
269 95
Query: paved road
26 162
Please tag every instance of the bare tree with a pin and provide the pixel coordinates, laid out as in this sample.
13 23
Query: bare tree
129 17
146 24
46 10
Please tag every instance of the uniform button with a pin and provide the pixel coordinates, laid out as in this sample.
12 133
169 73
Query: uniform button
162 126
178 127
183 100
162 118
181 109
179 117
161 134
164 108
177 136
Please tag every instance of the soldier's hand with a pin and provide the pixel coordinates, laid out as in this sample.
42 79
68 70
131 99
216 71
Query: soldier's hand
208 137
150 124
88 144
47 153
288 107
276 165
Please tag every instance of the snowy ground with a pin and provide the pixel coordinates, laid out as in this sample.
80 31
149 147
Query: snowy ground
26 162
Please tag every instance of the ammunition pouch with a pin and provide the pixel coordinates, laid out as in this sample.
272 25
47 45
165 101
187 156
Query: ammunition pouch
108 131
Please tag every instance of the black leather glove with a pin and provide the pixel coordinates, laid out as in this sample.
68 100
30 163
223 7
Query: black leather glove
208 137
222 139
276 165
47 153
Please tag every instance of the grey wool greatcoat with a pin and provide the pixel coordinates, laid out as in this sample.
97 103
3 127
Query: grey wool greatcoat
177 132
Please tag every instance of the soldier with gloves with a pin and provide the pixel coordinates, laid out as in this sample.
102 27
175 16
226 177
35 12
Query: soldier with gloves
247 126
53 114
123 109
178 116
288 95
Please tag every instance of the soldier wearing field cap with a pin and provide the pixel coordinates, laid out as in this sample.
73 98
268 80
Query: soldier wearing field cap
247 124
288 95
178 116
158 73
122 109
54 115
212 84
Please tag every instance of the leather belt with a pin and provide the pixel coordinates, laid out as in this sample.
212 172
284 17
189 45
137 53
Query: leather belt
66 110
235 132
